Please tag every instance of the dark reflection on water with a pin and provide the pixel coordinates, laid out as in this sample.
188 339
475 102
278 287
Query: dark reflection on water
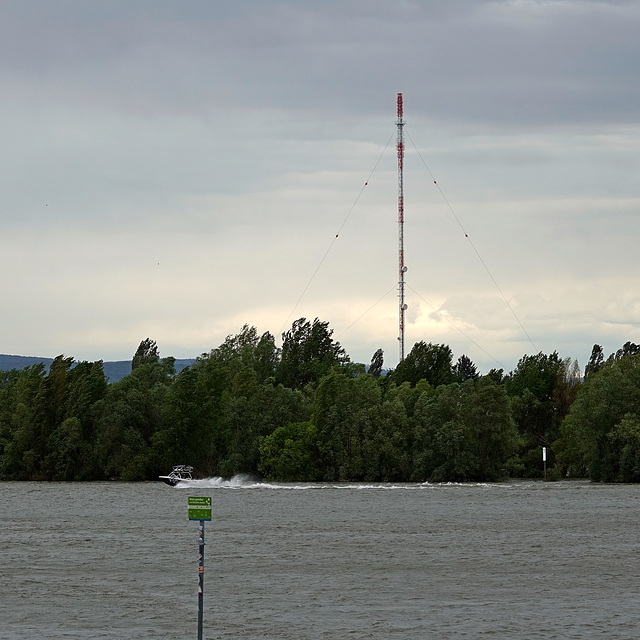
516 560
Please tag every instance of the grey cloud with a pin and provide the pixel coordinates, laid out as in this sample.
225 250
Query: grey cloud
228 141
501 63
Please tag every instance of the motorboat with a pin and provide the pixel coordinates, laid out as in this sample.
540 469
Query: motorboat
178 473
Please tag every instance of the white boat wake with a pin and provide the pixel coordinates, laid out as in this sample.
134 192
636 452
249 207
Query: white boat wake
250 482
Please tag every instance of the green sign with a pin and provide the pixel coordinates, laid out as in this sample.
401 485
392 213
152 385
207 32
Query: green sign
199 508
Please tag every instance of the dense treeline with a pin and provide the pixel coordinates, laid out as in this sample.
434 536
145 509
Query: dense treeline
306 412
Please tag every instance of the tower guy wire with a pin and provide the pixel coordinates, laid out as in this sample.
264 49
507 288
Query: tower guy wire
335 237
473 246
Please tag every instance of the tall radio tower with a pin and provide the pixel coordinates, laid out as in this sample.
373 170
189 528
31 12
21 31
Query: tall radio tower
402 307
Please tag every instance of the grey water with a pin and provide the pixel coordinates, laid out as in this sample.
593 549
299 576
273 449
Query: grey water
304 561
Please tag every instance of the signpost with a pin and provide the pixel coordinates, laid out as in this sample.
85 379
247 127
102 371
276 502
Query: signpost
200 509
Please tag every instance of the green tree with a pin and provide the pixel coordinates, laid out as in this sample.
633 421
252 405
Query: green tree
49 409
341 415
290 453
408 395
444 448
463 432
267 357
18 458
237 351
69 456
497 375
489 413
308 353
386 443
47 421
243 404
146 353
377 362
625 438
247 349
567 386
598 435
595 361
426 361
464 369
128 420
628 349
86 385
535 388
120 427
252 411
192 417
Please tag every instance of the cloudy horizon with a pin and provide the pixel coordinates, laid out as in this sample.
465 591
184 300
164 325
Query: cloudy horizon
175 170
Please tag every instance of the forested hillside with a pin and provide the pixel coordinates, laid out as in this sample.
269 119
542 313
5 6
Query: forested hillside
306 412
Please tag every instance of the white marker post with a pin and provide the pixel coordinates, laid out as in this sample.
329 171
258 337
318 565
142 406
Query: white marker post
200 509
544 460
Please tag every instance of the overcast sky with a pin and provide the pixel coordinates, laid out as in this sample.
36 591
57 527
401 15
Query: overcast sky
176 169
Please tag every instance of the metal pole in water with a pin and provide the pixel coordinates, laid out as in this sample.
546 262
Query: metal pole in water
200 509
200 576
544 460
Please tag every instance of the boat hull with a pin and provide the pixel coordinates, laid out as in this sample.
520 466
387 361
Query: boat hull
172 482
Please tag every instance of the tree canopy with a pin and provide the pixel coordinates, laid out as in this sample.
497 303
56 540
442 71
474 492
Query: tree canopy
146 353
308 353
305 412
426 361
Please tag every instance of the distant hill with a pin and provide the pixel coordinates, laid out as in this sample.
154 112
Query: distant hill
114 371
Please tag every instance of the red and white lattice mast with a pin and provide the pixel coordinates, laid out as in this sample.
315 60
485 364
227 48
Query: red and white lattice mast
402 307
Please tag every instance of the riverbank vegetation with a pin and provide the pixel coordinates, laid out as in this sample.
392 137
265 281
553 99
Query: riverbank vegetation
305 412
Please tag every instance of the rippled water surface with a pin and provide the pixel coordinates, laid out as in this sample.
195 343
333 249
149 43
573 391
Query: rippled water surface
518 560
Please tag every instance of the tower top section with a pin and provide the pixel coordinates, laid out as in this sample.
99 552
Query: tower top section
400 108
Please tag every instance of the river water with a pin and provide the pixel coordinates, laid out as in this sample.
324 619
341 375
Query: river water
518 560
